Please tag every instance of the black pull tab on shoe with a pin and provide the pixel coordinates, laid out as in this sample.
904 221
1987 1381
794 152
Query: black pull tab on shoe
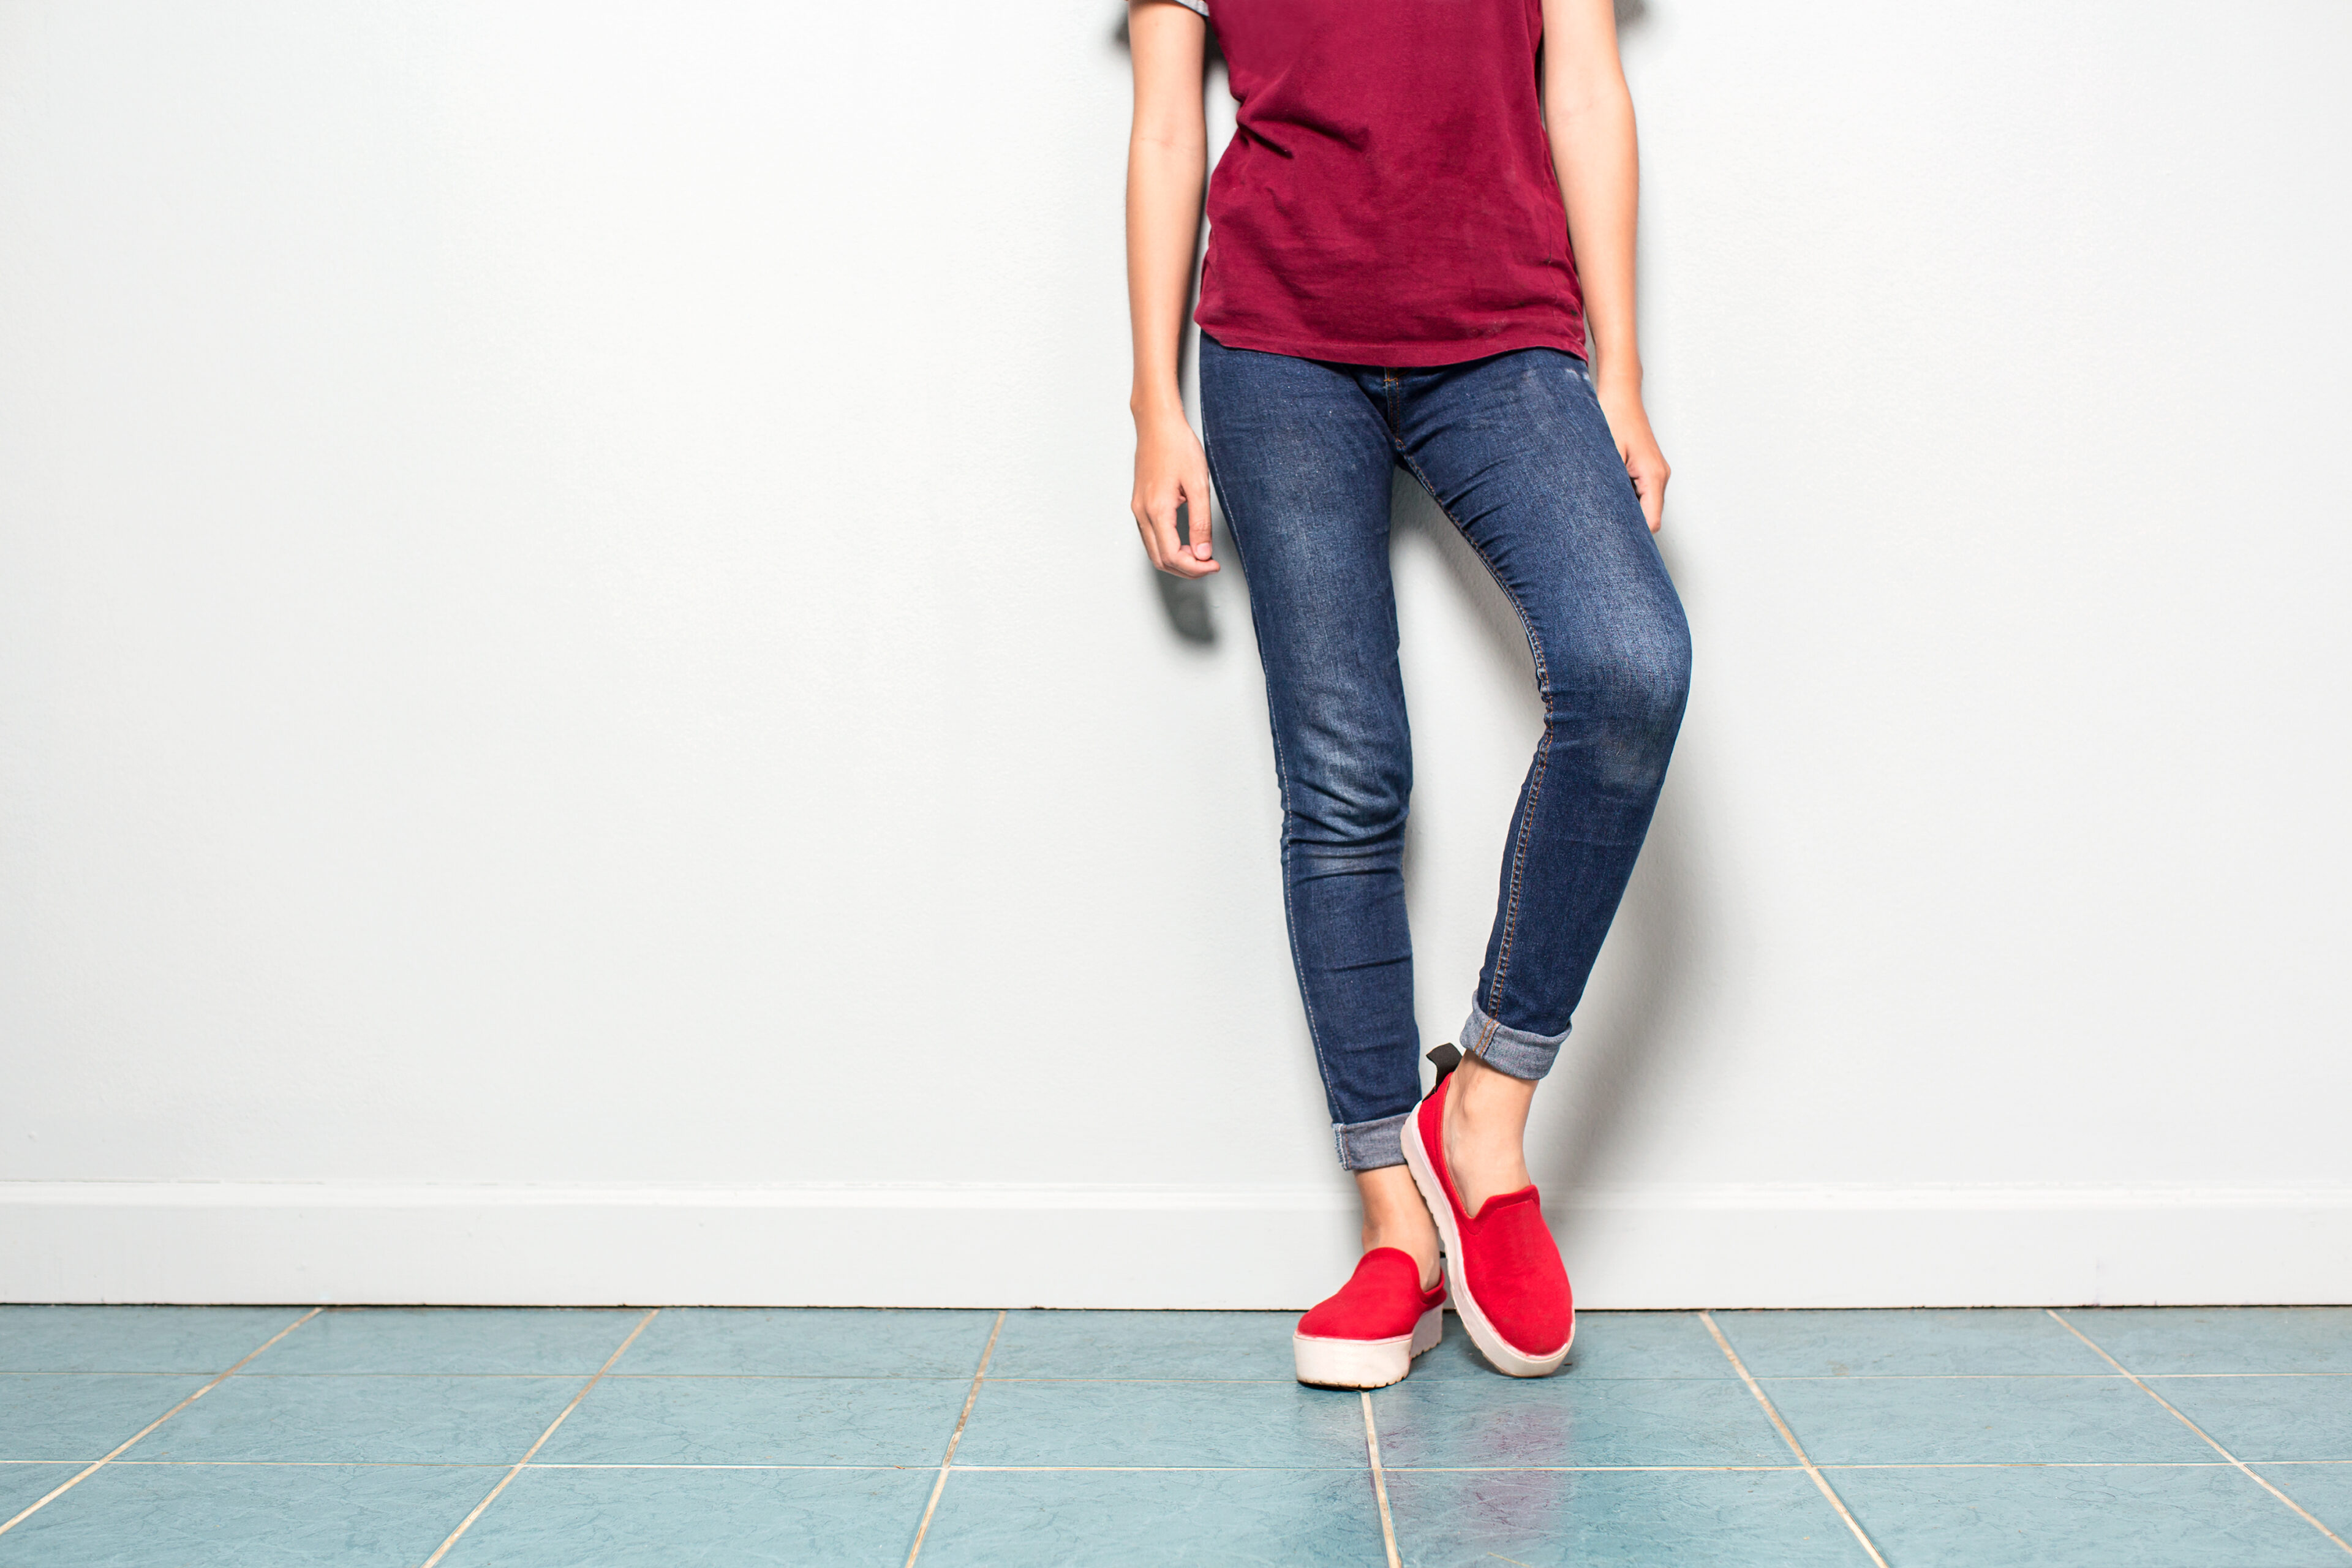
1445 1058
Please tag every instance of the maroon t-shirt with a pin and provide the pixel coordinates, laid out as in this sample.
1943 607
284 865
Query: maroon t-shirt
1388 197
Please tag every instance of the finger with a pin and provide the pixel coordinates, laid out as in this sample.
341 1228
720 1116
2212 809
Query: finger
1143 529
1165 543
1651 485
1159 538
1168 551
1198 514
1182 563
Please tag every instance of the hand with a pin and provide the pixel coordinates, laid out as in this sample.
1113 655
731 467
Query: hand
1171 469
1645 463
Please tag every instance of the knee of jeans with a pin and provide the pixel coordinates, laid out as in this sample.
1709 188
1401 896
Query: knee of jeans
1630 704
1655 674
1354 808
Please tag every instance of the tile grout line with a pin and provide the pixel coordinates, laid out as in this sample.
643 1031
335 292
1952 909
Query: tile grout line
505 1480
1380 1480
2308 1518
954 1438
42 1502
1790 1437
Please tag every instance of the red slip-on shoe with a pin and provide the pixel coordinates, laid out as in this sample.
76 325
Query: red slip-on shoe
1367 1335
1509 1285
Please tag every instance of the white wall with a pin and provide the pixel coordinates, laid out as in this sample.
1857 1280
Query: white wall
580 719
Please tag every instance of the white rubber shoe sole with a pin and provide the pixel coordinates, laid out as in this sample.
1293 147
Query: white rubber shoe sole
1365 1363
1506 1356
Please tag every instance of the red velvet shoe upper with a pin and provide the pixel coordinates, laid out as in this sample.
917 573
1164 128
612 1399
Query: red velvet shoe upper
1509 1265
1383 1299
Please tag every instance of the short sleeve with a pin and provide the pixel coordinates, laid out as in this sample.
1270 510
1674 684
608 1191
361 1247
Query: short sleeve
1200 6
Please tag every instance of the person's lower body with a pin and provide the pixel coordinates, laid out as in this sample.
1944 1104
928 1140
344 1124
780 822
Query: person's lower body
1518 455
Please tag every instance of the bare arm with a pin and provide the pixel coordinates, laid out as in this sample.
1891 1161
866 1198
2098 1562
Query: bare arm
1167 164
1589 115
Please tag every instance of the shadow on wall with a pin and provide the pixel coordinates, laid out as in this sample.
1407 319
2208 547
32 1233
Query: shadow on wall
1186 599
1656 967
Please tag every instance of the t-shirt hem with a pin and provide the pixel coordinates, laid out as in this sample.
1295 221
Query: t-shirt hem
1400 356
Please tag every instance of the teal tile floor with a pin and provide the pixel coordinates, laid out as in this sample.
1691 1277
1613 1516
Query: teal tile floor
132 1437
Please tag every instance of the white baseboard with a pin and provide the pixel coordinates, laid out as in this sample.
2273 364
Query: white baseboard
962 1246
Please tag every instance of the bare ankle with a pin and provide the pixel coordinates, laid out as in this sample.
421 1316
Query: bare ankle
1487 1098
1396 1217
1484 1132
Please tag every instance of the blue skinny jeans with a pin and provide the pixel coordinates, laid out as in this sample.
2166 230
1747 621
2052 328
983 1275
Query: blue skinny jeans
1517 452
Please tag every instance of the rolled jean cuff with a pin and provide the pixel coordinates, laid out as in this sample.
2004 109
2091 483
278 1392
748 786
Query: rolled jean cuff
1370 1145
1508 1050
